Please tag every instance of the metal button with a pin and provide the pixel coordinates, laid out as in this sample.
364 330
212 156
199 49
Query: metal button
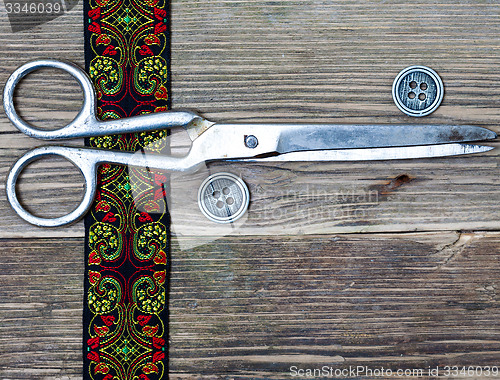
223 197
417 91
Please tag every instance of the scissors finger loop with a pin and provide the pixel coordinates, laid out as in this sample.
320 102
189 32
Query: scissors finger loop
85 117
88 170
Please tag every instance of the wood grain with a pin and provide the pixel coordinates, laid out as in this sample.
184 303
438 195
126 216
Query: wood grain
288 61
284 288
253 307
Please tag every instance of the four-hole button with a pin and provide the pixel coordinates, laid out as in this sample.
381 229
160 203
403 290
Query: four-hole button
417 91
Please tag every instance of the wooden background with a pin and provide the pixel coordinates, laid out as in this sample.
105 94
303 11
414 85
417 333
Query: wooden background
378 264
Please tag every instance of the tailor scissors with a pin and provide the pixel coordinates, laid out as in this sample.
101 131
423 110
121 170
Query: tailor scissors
223 141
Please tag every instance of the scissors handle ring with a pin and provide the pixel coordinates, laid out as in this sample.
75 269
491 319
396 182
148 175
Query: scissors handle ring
87 168
86 117
87 161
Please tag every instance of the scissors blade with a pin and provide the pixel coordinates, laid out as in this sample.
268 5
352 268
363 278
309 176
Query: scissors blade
373 154
231 141
321 137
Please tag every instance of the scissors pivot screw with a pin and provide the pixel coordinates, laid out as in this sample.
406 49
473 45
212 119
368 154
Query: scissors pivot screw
251 141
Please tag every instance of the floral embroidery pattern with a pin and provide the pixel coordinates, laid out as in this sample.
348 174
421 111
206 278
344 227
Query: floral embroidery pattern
127 57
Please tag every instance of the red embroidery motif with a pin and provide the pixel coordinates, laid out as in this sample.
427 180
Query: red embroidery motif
110 50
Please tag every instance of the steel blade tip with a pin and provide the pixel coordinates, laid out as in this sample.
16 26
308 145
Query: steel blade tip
486 134
466 133
472 148
486 148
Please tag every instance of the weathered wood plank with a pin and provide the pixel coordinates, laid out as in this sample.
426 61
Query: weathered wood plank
406 301
255 306
41 302
299 61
